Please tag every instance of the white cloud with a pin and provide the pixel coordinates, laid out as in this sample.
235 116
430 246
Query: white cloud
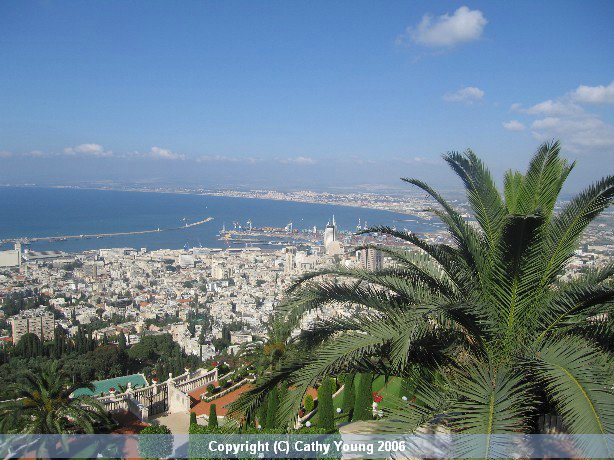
559 107
564 118
96 150
5 154
226 159
298 160
581 133
463 26
514 125
594 94
420 160
35 154
164 154
467 95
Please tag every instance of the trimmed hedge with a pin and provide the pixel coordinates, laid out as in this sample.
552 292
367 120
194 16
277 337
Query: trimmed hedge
271 410
349 396
212 416
309 405
363 407
326 413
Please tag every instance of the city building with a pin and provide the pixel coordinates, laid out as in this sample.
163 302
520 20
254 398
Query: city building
330 235
38 321
370 258
221 272
290 263
12 257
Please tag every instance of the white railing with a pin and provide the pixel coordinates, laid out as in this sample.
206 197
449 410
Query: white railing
138 400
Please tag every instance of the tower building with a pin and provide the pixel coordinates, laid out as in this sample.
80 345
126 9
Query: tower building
370 259
330 234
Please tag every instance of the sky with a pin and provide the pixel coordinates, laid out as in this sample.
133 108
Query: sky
336 95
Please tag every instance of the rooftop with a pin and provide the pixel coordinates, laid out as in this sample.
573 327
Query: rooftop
103 386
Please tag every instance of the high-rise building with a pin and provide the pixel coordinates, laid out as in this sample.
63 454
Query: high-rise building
221 272
290 263
12 257
330 234
39 321
370 258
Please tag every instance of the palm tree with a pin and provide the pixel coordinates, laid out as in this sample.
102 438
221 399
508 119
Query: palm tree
44 406
498 331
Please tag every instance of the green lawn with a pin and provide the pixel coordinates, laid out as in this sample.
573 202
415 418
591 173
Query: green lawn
390 393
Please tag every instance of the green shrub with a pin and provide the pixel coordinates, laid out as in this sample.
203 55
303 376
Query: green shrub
333 385
212 416
223 369
314 430
193 418
211 388
326 413
160 445
203 429
308 403
363 406
252 430
199 447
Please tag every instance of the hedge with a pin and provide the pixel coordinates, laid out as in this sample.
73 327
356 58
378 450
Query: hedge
212 416
326 413
349 396
363 407
155 446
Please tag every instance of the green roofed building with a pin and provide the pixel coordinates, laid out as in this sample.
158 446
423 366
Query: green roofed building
103 386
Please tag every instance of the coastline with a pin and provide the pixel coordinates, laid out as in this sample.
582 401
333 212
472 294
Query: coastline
96 220
398 205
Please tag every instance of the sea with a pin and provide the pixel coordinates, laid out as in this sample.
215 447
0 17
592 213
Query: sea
27 212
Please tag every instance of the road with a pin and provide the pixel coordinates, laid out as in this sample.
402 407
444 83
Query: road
26 240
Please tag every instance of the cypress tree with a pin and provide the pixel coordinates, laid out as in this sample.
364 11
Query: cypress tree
212 416
193 418
262 412
349 396
326 413
363 407
271 410
283 394
121 342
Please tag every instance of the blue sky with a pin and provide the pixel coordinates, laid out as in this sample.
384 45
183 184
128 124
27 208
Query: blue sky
315 94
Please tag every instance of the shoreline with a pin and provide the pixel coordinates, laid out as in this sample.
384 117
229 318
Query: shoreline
419 213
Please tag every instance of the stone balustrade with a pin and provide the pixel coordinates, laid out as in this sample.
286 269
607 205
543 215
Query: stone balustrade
140 401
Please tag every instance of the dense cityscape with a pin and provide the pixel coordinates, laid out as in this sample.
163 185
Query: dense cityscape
296 230
214 304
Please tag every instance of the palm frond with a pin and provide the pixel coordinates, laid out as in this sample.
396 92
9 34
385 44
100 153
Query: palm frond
543 180
578 378
574 302
482 193
566 228
489 401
